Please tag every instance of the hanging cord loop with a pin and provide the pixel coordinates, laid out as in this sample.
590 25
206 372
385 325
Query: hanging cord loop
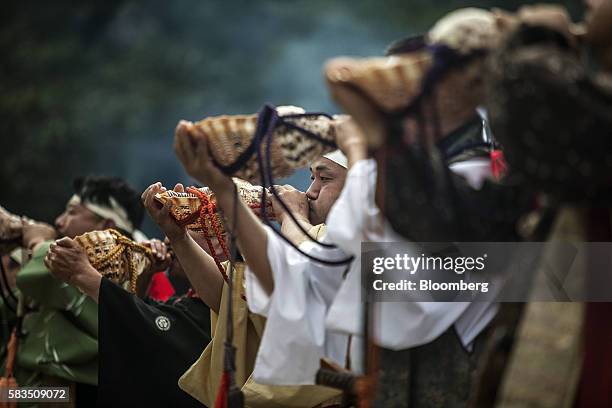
268 121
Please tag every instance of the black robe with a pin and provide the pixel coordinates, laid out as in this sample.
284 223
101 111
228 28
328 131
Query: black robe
145 346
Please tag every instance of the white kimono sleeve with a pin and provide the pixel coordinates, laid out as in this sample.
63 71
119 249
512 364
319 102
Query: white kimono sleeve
399 324
295 338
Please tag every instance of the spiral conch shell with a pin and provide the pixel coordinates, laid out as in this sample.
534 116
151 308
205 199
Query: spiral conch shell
229 136
186 206
116 256
390 82
369 88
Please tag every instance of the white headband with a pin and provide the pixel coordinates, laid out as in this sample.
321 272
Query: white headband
115 213
337 157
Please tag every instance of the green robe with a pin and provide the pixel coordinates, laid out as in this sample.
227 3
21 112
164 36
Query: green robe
61 333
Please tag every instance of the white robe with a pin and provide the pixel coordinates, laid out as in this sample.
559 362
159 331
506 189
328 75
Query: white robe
313 309
295 338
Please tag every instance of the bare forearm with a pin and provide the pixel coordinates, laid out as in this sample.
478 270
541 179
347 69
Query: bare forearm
251 237
201 270
355 151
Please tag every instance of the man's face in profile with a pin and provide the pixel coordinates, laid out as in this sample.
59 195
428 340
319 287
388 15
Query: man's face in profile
327 182
77 220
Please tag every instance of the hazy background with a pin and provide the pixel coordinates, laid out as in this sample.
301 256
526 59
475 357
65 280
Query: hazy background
98 86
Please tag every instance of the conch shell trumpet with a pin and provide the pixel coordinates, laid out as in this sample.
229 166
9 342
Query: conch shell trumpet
187 207
11 230
371 89
116 256
230 136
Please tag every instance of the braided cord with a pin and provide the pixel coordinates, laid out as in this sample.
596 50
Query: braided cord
265 170
133 272
125 246
214 223
206 212
268 120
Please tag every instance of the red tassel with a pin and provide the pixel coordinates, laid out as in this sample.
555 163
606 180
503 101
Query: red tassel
222 393
499 167
8 381
161 289
8 384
